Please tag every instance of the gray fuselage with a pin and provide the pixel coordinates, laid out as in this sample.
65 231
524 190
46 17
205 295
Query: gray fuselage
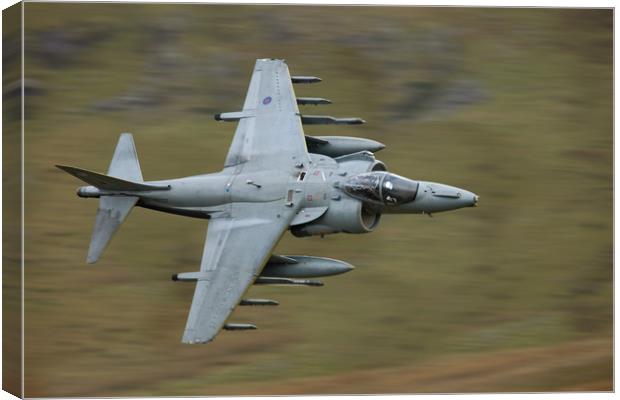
316 186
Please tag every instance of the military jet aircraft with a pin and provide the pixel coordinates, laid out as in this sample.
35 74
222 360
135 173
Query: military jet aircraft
274 179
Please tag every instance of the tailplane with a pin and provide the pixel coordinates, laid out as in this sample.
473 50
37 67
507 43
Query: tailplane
110 183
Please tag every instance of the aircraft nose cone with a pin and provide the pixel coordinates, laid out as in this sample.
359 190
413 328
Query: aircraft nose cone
438 197
468 199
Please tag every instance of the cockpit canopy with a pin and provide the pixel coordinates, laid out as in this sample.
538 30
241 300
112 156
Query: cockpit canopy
382 187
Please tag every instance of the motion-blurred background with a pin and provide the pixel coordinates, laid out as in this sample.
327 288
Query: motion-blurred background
513 104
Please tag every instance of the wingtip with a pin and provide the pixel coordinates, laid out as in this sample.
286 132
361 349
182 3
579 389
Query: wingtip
194 340
190 336
93 252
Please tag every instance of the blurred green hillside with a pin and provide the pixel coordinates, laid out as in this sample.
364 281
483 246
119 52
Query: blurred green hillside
513 104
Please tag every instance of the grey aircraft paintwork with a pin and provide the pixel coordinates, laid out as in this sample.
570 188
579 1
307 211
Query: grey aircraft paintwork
270 183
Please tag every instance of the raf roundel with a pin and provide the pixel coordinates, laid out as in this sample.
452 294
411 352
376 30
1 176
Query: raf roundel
267 100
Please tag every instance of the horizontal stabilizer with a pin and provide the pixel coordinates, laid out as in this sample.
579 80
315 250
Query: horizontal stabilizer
239 327
312 100
328 120
105 182
305 79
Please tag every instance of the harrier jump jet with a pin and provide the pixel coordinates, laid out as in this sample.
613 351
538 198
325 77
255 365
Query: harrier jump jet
274 179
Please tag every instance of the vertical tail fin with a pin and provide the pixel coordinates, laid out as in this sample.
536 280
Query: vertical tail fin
125 164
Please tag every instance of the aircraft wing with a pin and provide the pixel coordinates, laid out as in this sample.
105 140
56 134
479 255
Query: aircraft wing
269 136
237 247
269 133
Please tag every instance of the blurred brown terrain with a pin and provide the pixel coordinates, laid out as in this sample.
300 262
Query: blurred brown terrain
513 104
